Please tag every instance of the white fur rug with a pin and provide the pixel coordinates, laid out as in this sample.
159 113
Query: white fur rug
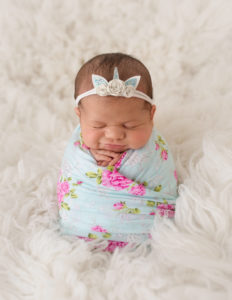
187 45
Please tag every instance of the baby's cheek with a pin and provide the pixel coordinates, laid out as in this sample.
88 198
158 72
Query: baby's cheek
139 139
91 138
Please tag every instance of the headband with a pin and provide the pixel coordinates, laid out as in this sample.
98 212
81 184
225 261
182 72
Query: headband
115 87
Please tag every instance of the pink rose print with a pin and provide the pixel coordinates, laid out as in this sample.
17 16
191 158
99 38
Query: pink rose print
166 206
122 205
98 229
166 210
138 190
161 212
62 189
65 187
115 180
168 213
85 147
118 205
152 213
157 146
171 213
77 143
175 175
79 182
60 197
164 154
117 165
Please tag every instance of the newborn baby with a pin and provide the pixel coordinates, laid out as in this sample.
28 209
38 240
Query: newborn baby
117 172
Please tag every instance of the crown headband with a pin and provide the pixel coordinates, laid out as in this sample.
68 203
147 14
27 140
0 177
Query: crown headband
115 87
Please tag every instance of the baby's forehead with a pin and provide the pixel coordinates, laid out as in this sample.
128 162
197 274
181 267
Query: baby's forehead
113 109
103 103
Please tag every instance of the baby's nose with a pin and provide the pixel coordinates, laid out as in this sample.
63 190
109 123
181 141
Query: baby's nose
114 133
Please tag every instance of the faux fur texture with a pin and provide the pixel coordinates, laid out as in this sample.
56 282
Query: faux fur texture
187 46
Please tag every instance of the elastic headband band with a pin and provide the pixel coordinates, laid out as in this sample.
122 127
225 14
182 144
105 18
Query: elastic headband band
115 87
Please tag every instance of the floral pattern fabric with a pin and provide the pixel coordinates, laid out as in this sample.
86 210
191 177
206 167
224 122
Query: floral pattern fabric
117 203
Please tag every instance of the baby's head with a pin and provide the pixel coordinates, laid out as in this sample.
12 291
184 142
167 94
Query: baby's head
115 123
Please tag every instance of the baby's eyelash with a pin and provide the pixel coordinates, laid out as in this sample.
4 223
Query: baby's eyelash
124 126
98 127
130 127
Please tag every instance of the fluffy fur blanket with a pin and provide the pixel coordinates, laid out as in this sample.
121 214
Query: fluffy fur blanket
187 46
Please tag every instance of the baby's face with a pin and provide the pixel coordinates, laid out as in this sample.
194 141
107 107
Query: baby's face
115 124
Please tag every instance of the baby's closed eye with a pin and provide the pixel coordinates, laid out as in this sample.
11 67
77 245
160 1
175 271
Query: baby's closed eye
126 126
131 126
98 126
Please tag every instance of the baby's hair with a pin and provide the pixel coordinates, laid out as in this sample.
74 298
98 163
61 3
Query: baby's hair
104 65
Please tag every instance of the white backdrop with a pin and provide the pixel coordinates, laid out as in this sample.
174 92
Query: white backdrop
187 46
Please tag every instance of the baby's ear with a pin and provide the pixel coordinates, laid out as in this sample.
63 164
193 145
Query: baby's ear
152 113
77 111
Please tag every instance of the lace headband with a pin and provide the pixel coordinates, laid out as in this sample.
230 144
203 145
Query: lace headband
115 87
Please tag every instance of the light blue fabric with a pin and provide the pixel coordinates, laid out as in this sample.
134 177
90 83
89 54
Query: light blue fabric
116 203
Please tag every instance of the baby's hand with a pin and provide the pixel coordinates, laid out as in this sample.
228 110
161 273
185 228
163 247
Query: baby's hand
105 158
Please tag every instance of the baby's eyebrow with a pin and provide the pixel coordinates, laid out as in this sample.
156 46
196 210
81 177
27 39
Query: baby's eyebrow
125 122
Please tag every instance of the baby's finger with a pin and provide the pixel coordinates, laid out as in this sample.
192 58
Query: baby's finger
100 157
105 163
113 161
102 163
108 153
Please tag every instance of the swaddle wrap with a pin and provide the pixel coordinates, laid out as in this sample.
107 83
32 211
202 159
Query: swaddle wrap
116 203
